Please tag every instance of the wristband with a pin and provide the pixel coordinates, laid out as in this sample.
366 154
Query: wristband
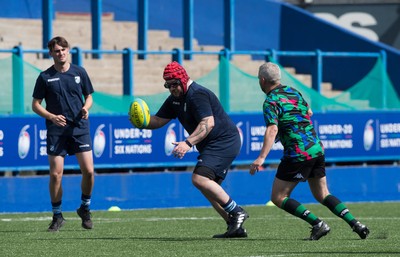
188 143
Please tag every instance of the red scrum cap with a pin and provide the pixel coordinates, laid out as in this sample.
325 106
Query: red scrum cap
175 71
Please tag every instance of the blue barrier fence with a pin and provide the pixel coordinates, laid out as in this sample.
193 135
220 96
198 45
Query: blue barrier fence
371 136
178 55
174 189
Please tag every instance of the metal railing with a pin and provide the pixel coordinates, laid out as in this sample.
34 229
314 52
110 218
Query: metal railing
178 55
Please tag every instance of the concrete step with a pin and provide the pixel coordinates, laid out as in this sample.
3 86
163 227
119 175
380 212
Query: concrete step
106 73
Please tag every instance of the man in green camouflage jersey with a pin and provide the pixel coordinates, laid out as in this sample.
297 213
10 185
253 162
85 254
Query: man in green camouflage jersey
287 118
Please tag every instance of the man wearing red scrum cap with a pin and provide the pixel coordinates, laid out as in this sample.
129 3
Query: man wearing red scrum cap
216 138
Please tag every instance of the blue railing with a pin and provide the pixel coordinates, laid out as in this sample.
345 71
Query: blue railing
178 55
143 24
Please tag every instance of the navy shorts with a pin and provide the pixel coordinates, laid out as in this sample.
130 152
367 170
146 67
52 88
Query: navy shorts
59 145
301 171
219 165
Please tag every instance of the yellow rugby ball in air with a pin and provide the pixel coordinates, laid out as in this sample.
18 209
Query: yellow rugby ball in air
139 113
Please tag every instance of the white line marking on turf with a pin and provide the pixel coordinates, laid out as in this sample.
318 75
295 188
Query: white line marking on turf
280 255
152 219
111 219
179 218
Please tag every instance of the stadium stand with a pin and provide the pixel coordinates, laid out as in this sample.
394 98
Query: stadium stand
117 35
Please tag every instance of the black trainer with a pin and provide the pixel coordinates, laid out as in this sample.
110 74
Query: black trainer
239 233
57 222
361 230
319 230
86 218
236 221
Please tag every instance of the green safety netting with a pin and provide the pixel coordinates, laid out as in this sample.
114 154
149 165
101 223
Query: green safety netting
8 75
373 92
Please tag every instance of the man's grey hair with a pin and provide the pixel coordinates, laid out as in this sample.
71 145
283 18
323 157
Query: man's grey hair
270 72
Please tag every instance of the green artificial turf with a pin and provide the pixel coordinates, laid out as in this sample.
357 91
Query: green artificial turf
189 231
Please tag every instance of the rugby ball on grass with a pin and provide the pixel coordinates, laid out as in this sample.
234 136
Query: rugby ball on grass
139 113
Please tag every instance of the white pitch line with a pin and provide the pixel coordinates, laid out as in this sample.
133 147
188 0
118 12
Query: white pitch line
111 219
280 255
152 219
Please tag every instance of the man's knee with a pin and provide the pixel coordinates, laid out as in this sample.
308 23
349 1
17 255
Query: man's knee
204 174
277 199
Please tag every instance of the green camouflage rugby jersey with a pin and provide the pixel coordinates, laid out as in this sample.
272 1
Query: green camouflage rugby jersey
285 107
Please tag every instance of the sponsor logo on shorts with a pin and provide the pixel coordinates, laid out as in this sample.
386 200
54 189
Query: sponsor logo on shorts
298 176
84 146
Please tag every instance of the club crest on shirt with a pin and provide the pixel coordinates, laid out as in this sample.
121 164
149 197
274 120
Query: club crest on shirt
77 79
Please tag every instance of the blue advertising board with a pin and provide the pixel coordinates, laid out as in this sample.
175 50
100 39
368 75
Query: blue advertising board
347 136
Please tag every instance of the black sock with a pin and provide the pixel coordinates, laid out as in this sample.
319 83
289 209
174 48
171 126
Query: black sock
339 209
85 202
297 209
56 207
231 207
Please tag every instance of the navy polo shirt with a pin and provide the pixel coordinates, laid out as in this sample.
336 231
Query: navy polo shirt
63 94
198 103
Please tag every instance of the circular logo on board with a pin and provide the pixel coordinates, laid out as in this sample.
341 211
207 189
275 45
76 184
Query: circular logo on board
99 141
170 136
368 135
24 142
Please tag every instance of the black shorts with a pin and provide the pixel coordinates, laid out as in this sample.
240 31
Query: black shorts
219 165
301 171
59 145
